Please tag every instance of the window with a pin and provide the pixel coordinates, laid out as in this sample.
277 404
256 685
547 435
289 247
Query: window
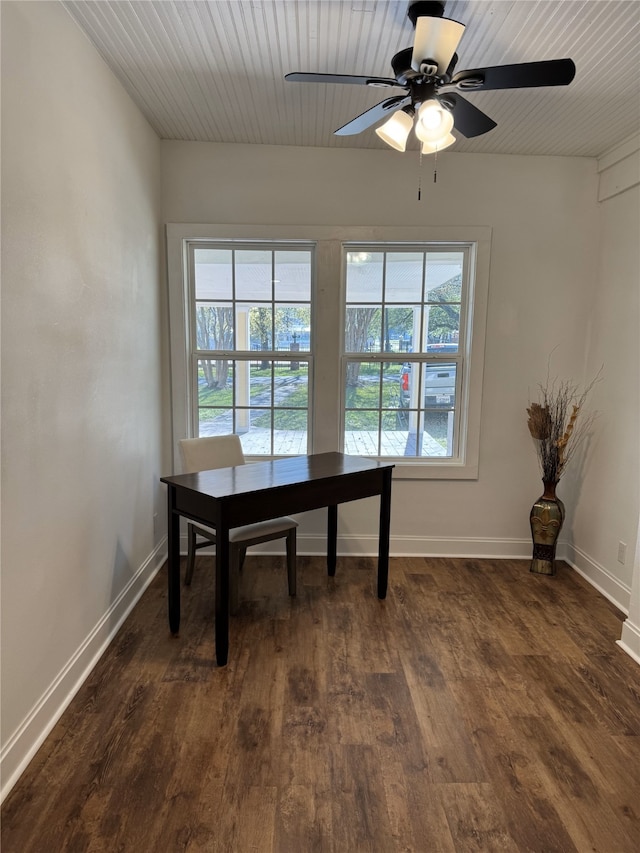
250 334
404 341
305 339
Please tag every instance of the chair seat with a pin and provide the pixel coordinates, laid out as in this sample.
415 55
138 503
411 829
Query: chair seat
221 451
252 531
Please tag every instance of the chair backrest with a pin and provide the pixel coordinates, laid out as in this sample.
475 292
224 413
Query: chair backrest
212 451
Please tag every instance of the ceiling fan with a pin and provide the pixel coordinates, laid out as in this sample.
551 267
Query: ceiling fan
431 96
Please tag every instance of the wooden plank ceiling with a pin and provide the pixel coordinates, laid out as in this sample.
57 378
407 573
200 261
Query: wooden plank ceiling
213 70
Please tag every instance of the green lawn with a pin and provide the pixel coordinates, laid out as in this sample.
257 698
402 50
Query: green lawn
362 403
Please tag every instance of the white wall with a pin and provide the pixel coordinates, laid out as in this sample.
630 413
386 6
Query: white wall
81 365
547 282
608 500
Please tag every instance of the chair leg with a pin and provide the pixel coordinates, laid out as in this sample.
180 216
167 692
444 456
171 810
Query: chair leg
291 561
242 554
191 554
235 555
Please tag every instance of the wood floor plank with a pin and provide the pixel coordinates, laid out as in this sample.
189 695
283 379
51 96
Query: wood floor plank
451 756
574 794
530 816
360 817
476 819
303 820
477 708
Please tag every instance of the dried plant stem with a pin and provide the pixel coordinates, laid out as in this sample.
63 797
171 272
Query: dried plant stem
558 424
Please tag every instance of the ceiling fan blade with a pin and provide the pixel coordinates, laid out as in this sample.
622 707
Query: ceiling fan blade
552 72
374 115
467 119
311 77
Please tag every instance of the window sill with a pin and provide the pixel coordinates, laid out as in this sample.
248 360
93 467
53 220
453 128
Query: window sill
433 470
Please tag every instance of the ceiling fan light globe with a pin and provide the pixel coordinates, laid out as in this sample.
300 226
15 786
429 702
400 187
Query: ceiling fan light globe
440 145
434 122
436 40
437 140
430 114
396 129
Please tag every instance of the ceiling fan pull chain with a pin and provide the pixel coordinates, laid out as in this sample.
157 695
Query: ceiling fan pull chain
435 167
420 178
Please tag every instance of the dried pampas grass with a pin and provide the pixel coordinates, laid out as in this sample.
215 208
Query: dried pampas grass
559 424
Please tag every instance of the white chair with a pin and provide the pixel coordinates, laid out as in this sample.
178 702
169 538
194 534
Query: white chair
222 451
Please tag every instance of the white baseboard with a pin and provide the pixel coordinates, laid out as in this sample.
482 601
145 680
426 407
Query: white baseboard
630 640
461 546
29 736
613 589
315 544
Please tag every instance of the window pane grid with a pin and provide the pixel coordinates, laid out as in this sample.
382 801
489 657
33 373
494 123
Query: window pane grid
250 321
266 404
276 309
416 413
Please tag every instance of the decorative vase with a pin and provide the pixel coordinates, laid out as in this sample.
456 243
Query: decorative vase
547 516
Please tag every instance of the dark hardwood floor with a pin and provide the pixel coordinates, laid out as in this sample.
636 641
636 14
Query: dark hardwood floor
479 708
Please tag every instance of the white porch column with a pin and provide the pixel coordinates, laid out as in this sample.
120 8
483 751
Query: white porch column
243 421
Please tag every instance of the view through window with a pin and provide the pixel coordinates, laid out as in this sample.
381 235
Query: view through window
405 324
329 339
251 344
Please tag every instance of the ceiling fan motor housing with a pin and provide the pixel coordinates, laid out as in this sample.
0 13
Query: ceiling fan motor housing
402 70
424 9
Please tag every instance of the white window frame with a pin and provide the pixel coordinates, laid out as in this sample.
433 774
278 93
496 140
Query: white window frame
326 408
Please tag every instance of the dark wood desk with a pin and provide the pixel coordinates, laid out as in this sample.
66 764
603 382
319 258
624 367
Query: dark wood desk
228 497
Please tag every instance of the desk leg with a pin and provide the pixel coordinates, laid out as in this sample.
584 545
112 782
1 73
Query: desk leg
173 562
383 536
222 593
332 539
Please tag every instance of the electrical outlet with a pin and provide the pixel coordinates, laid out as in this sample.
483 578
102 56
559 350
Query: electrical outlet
622 552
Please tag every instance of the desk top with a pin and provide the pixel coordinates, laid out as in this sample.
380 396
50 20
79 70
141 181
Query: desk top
258 476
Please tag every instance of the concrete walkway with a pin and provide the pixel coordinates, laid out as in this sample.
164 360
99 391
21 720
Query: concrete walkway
294 442
256 441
